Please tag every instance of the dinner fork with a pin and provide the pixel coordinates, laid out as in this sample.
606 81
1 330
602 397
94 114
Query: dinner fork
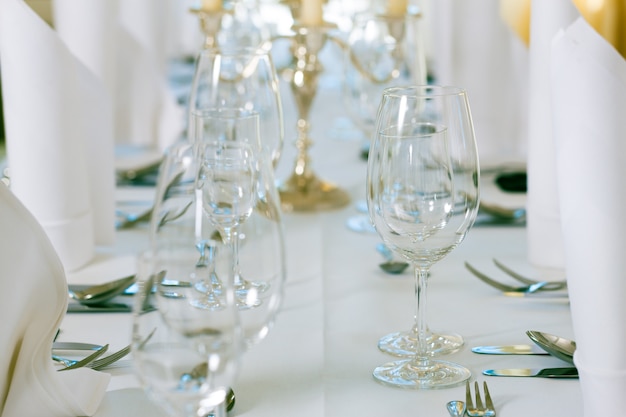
526 289
551 285
97 364
479 410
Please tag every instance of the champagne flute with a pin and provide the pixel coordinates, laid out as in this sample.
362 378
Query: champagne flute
422 193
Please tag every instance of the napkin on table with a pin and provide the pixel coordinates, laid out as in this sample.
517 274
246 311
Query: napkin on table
58 135
545 243
125 44
35 300
588 104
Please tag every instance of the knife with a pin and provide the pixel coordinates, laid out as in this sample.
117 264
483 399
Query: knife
104 308
510 350
540 373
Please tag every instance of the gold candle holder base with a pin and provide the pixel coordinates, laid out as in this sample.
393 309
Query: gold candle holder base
303 190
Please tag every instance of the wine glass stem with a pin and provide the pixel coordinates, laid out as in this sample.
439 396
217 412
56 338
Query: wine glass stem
421 324
232 237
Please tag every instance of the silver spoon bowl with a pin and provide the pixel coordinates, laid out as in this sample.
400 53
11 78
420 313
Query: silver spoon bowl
390 265
100 294
556 346
456 408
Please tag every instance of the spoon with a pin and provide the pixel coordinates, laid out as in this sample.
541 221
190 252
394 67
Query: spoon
556 346
500 212
456 408
99 294
390 266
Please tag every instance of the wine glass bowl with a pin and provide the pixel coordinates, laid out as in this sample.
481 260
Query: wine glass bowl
186 352
382 51
422 193
243 79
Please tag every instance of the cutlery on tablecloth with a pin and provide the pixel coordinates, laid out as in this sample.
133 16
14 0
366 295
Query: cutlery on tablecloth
74 307
510 350
569 372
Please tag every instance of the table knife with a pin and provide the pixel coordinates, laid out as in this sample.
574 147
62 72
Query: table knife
105 308
510 350
540 373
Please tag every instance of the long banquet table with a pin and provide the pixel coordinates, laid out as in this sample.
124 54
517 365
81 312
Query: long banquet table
319 356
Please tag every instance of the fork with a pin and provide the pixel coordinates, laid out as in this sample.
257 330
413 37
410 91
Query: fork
552 285
526 289
94 364
479 410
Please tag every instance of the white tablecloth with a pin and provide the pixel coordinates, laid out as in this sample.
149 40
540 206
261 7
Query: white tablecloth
318 359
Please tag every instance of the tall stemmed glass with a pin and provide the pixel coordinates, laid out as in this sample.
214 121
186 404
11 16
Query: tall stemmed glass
381 51
246 214
422 192
245 79
186 343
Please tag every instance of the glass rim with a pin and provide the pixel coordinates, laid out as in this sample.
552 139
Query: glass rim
224 113
437 129
256 51
419 91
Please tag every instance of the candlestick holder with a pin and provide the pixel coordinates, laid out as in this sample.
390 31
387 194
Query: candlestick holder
303 190
210 24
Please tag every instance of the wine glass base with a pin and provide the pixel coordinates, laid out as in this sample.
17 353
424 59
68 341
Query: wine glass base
404 344
435 375
308 193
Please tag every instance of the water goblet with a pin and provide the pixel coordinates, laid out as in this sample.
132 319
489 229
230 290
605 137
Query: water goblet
422 193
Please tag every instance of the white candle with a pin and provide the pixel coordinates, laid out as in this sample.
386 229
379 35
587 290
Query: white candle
211 5
396 7
311 13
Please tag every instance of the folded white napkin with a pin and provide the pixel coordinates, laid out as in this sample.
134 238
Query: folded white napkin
545 244
472 47
35 300
59 135
124 43
588 102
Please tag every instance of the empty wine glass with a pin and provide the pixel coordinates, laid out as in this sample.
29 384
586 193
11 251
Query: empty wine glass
381 51
422 192
186 349
245 79
239 198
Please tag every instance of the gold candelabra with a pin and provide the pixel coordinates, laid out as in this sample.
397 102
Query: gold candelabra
303 190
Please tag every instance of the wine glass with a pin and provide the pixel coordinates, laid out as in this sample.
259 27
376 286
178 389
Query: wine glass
381 51
241 78
422 194
258 239
186 344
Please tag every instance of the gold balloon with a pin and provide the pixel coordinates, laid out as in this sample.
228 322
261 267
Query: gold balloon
516 14
608 18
